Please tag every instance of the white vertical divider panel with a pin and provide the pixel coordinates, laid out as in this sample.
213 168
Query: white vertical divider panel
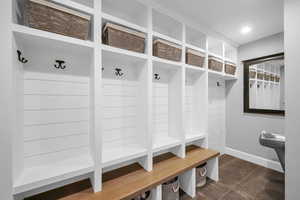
7 128
148 88
213 169
187 182
176 107
182 92
96 101
176 104
156 193
204 101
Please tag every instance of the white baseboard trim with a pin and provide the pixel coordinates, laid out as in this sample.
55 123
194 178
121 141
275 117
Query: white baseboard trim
271 164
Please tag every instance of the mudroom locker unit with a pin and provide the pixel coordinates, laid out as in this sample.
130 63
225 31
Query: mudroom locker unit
84 107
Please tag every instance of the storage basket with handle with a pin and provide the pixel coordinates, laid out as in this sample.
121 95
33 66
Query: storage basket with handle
260 75
252 73
170 190
230 68
51 17
266 76
215 64
195 58
201 172
124 38
272 77
166 50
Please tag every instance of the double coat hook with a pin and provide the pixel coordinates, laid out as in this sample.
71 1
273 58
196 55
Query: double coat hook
156 77
20 58
60 64
118 72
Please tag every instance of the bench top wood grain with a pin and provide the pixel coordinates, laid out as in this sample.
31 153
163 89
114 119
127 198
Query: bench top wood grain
132 182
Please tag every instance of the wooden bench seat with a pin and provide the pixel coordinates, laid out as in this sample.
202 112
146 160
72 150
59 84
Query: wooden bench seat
130 182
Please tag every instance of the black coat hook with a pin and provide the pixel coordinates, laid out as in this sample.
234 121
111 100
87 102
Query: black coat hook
219 84
156 77
20 58
118 72
60 64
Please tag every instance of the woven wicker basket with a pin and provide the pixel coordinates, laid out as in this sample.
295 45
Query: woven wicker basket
272 77
195 58
215 64
230 68
277 78
260 75
266 76
252 74
166 50
201 172
124 38
170 190
48 16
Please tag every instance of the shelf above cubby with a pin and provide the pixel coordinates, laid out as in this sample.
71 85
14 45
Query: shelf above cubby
157 35
121 154
229 77
164 142
195 48
51 39
113 51
195 38
132 11
192 136
215 74
36 177
215 55
165 63
110 18
194 68
78 5
167 25
215 47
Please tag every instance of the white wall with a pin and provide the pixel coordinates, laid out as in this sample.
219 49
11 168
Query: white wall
292 60
5 100
242 130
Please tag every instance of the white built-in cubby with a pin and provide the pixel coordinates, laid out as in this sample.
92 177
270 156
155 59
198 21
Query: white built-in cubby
195 108
230 53
195 39
167 104
215 47
52 138
127 13
166 27
124 83
106 106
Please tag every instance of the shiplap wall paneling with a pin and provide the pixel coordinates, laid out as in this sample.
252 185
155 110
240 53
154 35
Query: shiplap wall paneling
125 97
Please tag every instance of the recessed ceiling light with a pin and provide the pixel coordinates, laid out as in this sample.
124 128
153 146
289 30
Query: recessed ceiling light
246 29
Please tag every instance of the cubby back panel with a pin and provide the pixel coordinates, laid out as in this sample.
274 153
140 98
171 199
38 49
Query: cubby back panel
56 117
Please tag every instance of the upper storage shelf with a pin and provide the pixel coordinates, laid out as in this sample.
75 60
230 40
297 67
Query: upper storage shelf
230 53
195 38
215 47
131 12
65 15
165 25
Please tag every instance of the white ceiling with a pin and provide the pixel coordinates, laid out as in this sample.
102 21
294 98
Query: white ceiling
227 17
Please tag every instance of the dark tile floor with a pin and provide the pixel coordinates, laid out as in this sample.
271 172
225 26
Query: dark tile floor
242 180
